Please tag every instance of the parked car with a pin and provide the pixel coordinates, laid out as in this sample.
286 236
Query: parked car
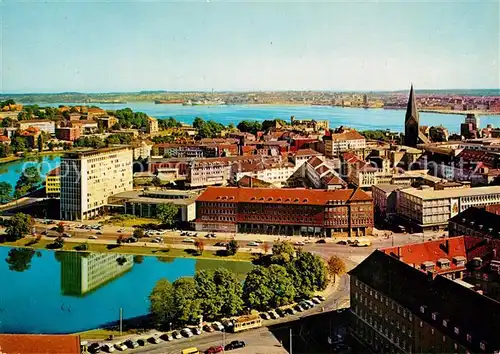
65 234
176 335
299 243
154 340
235 344
155 241
273 315
98 233
252 243
167 337
186 332
142 342
265 316
132 344
208 328
120 347
298 308
220 244
342 242
316 300
189 240
291 311
321 240
304 305
196 331
108 348
214 349
93 237
218 326
95 348
320 298
310 303
281 312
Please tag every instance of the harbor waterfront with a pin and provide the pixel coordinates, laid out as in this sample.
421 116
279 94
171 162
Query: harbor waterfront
357 118
66 292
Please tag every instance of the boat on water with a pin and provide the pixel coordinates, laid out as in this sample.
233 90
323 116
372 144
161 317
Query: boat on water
204 103
169 101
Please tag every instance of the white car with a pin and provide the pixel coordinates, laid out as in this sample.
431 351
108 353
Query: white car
218 326
121 347
189 240
299 243
253 243
176 335
108 348
186 332
93 237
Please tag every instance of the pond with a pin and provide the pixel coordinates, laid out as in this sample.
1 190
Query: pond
64 292
10 171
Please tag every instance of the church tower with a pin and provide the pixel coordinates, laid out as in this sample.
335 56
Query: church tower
411 121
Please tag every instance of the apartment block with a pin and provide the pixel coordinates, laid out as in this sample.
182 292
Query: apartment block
342 141
428 208
44 125
53 183
89 177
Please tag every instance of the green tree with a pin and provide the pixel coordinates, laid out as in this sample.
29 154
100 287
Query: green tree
198 122
7 122
283 252
5 192
232 247
167 213
336 266
249 126
24 115
18 144
220 292
40 143
19 259
309 273
162 304
29 180
138 233
267 288
19 226
5 150
187 303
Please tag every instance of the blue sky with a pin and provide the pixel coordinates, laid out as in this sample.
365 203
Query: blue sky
129 45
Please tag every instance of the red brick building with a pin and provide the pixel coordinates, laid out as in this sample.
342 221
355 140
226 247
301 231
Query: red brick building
67 133
285 211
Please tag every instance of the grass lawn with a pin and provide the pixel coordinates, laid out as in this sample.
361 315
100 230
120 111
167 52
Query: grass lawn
131 249
102 333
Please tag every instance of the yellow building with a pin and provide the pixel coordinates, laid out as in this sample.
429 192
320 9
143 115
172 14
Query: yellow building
152 127
53 183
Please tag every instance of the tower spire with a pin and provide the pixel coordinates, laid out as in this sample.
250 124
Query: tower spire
411 108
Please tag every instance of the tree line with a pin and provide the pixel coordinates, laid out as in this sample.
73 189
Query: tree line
285 276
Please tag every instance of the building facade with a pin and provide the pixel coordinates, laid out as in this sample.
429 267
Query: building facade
427 208
285 211
346 140
152 125
89 177
68 133
53 183
420 299
44 125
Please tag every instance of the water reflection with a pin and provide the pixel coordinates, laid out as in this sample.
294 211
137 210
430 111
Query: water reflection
19 259
84 272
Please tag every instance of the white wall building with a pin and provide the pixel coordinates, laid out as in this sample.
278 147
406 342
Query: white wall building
89 177
45 125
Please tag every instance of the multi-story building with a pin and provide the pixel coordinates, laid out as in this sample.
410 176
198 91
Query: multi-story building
152 125
44 125
475 222
107 122
428 208
321 174
285 211
273 170
142 149
302 156
432 297
344 140
83 273
385 200
307 125
85 126
89 177
53 183
68 133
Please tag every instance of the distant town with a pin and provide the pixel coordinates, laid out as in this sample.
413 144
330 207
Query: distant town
390 237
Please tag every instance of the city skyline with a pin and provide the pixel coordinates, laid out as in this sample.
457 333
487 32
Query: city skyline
128 47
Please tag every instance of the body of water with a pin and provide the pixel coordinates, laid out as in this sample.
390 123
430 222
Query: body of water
66 292
358 118
11 171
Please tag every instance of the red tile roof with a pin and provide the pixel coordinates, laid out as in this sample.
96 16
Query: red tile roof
280 196
4 138
416 254
314 161
55 172
307 152
322 169
347 135
39 344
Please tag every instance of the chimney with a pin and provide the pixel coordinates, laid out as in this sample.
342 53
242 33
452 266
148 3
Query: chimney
431 276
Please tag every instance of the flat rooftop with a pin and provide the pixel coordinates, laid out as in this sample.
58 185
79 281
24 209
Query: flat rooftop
430 193
90 151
